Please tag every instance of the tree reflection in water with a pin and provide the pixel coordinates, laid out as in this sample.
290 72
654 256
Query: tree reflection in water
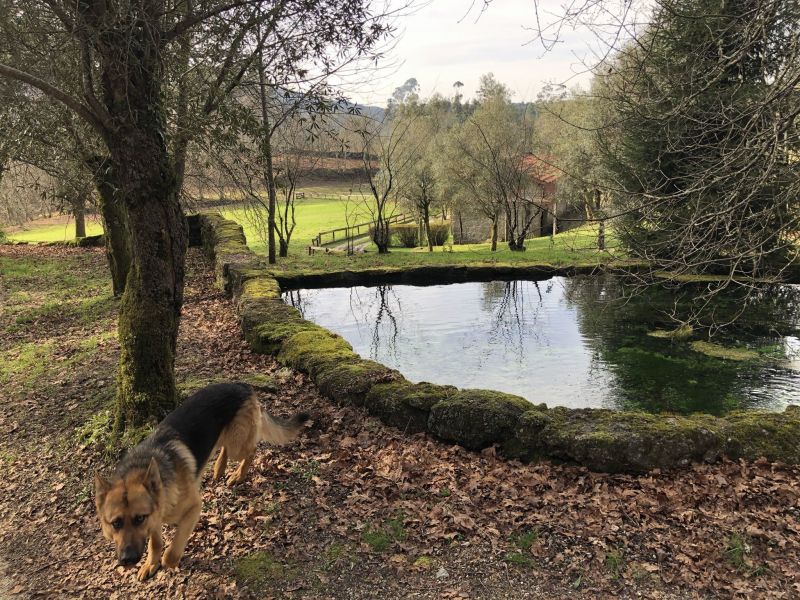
375 311
514 315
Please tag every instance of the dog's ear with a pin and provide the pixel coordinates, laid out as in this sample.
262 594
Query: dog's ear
101 487
152 478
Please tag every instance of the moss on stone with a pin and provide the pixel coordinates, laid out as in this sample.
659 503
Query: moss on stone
406 405
477 418
717 351
313 349
775 436
348 380
258 286
614 441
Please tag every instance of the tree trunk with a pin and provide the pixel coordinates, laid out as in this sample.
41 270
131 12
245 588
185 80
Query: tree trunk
153 296
601 235
517 244
270 174
116 229
79 212
145 180
427 217
382 238
283 248
494 234
555 218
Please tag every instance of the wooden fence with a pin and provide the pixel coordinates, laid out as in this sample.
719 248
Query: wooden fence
353 231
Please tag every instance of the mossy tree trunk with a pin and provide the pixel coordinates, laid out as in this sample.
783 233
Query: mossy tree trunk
115 224
146 181
153 295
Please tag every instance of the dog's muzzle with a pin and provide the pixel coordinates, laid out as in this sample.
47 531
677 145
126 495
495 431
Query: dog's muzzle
129 556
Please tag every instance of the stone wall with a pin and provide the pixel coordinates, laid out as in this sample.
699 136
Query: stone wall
602 440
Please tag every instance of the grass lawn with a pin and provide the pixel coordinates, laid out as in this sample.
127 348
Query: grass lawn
325 207
575 247
314 213
320 211
59 232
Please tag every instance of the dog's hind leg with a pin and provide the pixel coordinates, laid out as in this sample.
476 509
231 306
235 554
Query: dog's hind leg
154 548
221 463
185 526
241 473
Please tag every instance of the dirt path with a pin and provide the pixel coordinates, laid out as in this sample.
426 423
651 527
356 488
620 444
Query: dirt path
355 509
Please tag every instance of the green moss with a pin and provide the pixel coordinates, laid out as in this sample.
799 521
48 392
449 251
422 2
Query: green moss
776 436
717 351
518 559
607 440
97 431
260 571
259 287
349 380
477 418
681 333
269 323
406 405
314 348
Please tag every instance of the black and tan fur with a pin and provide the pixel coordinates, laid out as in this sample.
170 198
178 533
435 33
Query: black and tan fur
158 481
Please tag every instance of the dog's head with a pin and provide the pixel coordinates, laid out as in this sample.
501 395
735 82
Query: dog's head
127 508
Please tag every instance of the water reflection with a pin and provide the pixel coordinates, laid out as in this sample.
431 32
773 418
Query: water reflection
581 341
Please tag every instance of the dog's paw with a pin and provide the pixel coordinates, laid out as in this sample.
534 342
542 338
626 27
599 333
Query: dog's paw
236 479
147 570
170 559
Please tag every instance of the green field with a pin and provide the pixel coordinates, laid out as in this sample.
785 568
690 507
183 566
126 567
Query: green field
326 207
54 233
314 213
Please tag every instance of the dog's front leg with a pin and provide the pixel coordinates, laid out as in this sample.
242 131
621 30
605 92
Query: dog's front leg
155 546
184 529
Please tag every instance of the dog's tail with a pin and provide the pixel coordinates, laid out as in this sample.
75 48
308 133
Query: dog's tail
277 431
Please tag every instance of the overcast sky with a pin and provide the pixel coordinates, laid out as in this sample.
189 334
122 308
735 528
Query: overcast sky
445 41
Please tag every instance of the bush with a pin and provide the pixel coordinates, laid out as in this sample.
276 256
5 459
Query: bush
406 234
3 236
439 233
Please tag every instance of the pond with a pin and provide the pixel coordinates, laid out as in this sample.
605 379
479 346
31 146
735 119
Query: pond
583 341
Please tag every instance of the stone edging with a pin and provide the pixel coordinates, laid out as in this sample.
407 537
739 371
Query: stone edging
602 440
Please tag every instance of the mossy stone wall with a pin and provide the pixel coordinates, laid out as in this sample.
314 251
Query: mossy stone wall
602 440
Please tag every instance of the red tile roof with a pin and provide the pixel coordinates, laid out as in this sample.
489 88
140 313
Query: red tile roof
542 168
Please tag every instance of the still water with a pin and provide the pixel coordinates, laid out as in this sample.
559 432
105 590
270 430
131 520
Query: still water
577 342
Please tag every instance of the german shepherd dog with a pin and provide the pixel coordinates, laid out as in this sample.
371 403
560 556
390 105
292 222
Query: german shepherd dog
158 481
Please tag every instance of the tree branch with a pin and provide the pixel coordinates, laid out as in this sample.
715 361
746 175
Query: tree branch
53 92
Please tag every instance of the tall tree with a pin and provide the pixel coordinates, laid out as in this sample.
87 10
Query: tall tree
119 52
490 155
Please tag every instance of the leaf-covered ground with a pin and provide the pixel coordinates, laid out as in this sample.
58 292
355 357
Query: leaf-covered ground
354 509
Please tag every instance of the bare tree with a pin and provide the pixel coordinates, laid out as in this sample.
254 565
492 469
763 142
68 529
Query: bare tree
385 157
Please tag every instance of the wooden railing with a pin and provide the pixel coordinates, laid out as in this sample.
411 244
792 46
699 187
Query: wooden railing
353 231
